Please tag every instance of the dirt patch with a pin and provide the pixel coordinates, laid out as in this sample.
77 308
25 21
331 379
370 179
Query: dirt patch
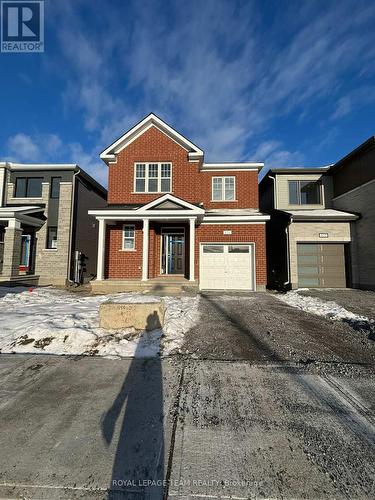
42 343
24 340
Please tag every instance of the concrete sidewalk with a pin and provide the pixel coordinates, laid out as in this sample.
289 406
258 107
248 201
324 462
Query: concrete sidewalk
73 427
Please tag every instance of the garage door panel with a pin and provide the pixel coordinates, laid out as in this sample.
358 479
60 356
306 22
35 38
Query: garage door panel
229 267
321 265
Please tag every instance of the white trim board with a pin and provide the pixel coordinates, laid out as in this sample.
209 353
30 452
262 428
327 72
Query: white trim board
218 167
232 223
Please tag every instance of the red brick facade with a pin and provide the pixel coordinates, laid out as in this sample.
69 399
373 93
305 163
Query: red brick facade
188 183
121 264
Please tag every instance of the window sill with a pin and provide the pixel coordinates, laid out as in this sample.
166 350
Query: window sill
26 198
50 249
127 250
154 192
224 201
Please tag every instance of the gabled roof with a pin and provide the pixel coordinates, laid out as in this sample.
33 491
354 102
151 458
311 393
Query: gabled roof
156 207
178 202
370 143
151 120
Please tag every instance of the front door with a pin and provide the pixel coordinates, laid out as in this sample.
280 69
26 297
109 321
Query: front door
173 253
25 252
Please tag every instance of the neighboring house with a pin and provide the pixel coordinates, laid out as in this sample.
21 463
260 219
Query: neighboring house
309 241
354 190
171 217
46 235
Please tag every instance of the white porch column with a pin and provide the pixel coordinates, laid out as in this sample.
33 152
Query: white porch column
192 250
145 250
101 250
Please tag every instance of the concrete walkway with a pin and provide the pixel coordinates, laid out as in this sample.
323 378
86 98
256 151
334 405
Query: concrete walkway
184 429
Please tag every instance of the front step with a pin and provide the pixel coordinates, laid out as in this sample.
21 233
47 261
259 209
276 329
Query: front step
152 287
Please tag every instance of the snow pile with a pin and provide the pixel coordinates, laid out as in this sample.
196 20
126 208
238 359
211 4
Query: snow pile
47 320
328 309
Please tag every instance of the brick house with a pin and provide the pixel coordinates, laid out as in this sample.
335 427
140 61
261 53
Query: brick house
171 217
46 234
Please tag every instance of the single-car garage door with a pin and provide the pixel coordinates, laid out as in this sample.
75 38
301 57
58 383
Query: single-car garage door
321 265
226 267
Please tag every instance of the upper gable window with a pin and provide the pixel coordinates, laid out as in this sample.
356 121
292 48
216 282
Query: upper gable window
223 188
305 192
153 178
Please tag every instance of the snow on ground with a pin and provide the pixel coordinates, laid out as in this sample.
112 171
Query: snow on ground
52 321
328 309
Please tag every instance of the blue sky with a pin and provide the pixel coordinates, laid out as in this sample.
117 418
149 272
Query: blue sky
288 83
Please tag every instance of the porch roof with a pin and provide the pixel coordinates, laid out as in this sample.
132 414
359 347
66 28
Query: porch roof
23 214
164 207
323 215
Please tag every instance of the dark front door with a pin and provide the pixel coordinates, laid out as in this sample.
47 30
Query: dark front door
173 255
176 253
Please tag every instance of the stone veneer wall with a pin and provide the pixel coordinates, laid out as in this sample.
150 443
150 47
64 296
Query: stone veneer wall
51 264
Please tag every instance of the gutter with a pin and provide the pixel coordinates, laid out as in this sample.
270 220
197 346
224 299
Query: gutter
275 200
287 251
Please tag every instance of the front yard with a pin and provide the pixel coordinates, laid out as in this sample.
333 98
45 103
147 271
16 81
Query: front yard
52 321
297 326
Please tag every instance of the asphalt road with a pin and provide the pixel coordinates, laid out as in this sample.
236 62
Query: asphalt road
97 428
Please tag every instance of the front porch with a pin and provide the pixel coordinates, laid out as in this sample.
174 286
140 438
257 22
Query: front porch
18 229
148 248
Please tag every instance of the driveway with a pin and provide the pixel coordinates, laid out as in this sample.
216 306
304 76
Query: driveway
183 429
260 328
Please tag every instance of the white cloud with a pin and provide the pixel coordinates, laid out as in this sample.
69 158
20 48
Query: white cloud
354 101
275 155
23 147
46 148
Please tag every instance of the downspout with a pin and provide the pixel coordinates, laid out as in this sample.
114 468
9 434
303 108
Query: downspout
275 205
287 251
72 223
275 200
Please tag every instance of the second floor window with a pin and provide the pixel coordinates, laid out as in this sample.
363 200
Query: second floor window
28 187
153 177
55 187
305 193
223 188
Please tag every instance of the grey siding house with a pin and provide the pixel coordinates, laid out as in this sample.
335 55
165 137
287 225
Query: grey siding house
309 240
46 234
354 190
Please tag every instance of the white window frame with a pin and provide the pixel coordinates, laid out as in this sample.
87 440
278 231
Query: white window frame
128 238
223 177
146 164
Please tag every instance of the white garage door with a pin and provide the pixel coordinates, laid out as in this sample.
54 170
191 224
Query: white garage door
226 267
